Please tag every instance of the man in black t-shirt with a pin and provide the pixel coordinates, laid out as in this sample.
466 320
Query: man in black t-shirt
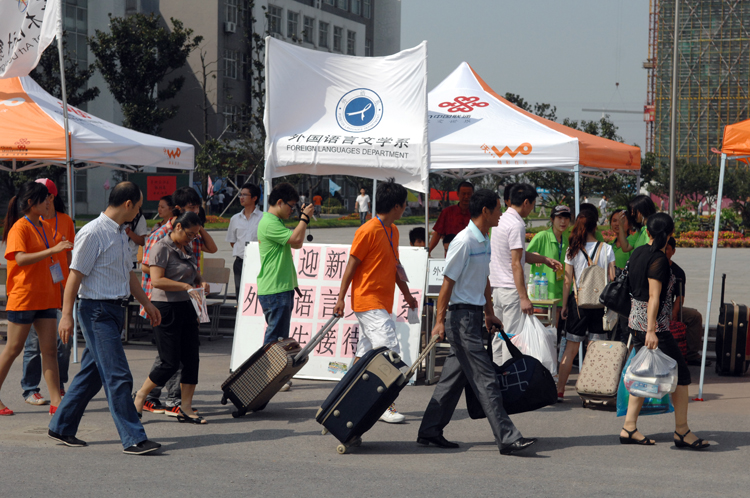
691 317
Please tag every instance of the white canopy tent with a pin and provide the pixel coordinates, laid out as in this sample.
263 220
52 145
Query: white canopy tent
32 129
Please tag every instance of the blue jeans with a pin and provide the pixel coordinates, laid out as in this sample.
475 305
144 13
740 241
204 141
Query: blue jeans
277 308
32 362
103 364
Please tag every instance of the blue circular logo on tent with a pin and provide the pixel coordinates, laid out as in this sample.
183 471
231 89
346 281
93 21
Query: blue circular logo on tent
359 110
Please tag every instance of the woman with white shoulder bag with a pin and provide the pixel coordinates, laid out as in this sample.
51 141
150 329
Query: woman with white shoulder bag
589 266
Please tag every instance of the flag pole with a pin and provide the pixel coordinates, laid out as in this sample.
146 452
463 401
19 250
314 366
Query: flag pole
68 165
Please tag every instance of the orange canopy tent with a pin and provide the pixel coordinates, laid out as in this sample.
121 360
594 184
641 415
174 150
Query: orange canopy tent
735 145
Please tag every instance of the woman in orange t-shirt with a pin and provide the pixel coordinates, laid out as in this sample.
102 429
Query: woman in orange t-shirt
34 274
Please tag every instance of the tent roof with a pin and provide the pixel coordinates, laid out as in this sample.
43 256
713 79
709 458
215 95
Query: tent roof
736 139
31 129
472 139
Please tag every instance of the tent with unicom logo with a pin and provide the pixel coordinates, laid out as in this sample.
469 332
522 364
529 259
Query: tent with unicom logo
31 130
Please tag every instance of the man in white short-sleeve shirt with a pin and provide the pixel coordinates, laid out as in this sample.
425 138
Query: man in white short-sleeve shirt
507 267
243 228
363 205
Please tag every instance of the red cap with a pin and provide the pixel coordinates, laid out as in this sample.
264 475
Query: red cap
49 184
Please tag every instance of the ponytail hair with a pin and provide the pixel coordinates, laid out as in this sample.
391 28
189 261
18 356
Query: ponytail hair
585 224
660 226
59 204
19 204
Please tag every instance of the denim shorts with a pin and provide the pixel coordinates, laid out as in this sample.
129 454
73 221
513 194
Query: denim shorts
27 317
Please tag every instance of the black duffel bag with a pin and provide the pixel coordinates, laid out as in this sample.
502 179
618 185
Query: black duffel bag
525 383
616 294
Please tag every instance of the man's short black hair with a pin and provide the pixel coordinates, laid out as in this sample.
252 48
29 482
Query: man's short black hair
183 197
416 234
506 191
389 195
482 198
587 206
283 191
123 192
464 184
522 192
254 189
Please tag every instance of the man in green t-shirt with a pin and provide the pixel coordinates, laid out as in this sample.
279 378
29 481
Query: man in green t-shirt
277 277
552 243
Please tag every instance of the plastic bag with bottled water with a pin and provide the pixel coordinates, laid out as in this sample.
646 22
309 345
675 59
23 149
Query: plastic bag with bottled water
651 374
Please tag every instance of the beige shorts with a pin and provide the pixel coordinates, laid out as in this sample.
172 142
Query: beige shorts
376 329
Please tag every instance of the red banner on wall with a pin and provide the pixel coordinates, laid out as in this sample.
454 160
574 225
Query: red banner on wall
159 186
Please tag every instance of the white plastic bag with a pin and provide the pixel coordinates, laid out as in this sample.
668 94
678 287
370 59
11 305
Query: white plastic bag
651 374
538 341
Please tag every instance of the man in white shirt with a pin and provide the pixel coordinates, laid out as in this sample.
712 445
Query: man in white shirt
603 210
507 267
243 228
362 204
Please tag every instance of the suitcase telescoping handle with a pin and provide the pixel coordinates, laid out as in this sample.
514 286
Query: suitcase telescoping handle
317 338
422 356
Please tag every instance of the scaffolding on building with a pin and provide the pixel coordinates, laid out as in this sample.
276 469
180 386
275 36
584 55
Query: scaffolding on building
714 74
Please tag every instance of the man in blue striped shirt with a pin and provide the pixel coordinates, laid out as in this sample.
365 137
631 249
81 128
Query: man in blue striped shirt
101 276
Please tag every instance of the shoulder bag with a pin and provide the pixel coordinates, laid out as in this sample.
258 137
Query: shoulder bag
616 295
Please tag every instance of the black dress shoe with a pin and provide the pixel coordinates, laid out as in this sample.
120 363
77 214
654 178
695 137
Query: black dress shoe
71 441
519 445
142 448
437 441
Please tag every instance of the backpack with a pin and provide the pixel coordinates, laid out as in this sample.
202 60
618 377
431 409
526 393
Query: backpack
593 280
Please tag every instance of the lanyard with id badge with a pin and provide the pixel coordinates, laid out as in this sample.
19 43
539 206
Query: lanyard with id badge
560 273
55 269
400 271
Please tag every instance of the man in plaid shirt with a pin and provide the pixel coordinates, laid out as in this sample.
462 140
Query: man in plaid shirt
184 199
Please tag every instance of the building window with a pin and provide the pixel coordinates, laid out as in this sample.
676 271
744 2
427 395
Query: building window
343 4
242 12
338 33
368 47
75 24
245 67
322 34
367 8
357 7
230 64
308 30
231 11
351 42
230 117
274 19
292 24
81 185
331 2
245 119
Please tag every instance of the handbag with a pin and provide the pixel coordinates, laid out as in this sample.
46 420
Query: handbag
616 295
525 383
593 279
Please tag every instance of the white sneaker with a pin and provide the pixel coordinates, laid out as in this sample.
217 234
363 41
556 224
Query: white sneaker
286 387
392 416
36 399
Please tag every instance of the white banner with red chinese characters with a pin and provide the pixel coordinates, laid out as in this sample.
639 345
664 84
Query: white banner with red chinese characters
325 112
27 27
320 268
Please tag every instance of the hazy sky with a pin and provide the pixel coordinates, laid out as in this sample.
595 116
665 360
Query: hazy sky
568 53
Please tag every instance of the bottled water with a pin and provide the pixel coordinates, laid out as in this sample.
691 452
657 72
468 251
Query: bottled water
531 286
538 286
544 294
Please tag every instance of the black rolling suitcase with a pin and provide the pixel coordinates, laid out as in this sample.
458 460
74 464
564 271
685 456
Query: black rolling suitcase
732 345
261 376
365 392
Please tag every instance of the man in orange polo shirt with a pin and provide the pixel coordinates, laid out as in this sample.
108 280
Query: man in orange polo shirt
374 271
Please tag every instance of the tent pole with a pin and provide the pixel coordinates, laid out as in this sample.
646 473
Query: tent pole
374 196
68 165
266 186
673 117
638 184
711 276
577 182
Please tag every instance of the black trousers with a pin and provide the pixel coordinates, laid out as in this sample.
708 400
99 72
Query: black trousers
177 342
237 269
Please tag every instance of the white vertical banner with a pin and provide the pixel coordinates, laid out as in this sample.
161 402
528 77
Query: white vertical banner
27 27
325 112
320 268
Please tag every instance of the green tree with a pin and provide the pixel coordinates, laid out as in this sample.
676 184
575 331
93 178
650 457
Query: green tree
47 75
135 58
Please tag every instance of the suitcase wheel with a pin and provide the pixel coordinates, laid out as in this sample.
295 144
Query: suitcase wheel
341 449
584 403
356 443
238 413
224 400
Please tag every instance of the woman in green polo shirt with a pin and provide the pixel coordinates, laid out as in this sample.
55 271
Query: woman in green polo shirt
552 243
617 220
639 209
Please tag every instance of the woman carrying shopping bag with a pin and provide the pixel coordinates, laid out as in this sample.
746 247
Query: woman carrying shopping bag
582 312
651 285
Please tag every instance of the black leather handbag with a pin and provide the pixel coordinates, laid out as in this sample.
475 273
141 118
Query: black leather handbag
616 295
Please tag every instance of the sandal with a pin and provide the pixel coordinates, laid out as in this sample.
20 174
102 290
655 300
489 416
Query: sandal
629 440
698 444
182 417
6 412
